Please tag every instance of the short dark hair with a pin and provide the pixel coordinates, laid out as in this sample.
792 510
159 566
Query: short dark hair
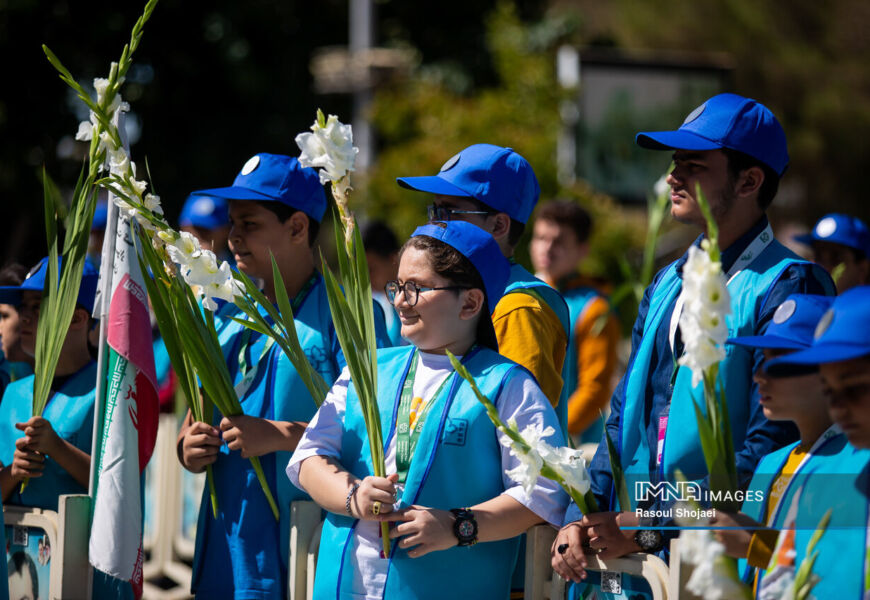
450 264
17 562
516 228
739 162
13 274
284 212
377 237
570 214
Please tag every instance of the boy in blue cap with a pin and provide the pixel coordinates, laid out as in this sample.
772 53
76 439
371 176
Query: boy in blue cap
275 208
841 350
841 240
207 218
735 150
800 469
496 189
53 450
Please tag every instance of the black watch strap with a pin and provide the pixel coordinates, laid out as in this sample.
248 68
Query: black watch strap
464 526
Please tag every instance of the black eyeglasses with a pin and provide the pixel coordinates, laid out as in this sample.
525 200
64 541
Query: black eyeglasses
412 290
442 213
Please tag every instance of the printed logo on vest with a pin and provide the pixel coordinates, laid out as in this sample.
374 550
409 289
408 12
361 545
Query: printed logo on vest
455 432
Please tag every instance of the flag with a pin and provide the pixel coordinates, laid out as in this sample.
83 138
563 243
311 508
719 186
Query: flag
127 416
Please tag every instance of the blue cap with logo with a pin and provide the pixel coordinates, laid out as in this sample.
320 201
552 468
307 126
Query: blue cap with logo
479 247
276 178
726 121
35 281
843 333
839 229
207 212
792 325
495 176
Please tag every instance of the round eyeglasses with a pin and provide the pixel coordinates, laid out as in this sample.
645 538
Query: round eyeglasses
443 213
412 291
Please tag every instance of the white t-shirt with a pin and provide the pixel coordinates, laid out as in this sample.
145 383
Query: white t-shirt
521 399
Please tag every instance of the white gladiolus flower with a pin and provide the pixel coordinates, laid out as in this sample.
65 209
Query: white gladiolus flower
529 469
152 203
569 464
329 149
706 302
85 132
119 161
184 249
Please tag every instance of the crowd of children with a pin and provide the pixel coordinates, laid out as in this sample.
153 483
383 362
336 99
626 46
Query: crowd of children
542 348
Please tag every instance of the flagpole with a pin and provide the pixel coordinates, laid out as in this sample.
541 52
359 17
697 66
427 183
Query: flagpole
104 295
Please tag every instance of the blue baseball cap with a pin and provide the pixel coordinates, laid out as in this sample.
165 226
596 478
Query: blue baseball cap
839 229
495 176
276 178
207 212
792 325
843 333
726 121
101 216
479 247
35 281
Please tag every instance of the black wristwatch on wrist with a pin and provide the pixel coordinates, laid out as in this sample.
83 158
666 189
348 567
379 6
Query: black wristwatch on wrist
464 526
649 540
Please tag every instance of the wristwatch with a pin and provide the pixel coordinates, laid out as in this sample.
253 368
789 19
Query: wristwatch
464 526
649 540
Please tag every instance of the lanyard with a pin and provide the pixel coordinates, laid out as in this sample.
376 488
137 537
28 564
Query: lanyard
761 241
411 418
250 372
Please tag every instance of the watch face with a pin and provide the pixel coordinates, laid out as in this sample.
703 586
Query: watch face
648 539
466 529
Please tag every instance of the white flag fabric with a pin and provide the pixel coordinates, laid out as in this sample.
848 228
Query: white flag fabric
129 413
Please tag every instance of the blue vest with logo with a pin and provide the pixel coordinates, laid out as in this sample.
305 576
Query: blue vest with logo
521 281
70 410
258 546
829 478
682 447
457 463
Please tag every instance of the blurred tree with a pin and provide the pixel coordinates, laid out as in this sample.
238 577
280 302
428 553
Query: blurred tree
806 60
425 120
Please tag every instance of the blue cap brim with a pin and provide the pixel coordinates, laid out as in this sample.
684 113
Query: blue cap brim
236 193
773 342
431 184
674 140
823 353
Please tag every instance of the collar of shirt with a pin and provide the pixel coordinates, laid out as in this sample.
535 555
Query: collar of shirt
732 252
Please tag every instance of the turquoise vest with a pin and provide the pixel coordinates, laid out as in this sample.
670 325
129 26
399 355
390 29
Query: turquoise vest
70 411
682 447
520 279
457 463
578 299
828 479
276 393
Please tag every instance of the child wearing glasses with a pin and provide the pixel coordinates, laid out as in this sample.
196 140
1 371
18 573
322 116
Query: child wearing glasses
456 515
496 189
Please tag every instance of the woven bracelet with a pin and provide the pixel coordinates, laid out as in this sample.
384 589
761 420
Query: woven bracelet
350 494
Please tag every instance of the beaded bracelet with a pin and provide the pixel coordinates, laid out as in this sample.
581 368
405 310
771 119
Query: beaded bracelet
350 494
